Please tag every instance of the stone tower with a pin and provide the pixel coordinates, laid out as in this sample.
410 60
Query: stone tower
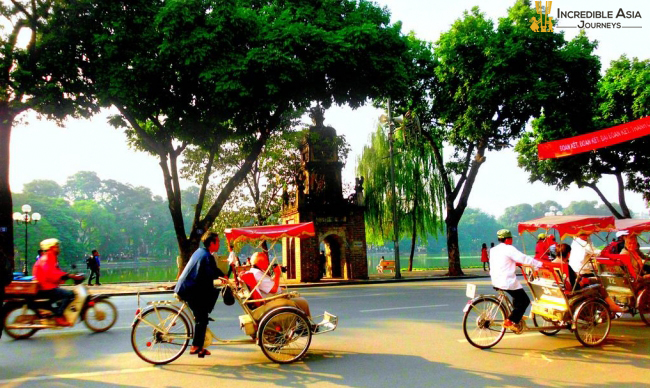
318 197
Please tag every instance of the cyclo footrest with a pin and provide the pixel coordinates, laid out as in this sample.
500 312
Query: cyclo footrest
329 323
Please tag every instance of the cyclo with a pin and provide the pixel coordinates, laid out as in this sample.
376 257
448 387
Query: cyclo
556 304
623 275
281 325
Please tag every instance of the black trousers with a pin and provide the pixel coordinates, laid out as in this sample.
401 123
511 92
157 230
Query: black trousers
59 296
201 308
94 272
520 302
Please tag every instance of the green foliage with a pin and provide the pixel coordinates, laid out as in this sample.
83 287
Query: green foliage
488 80
418 187
620 96
214 75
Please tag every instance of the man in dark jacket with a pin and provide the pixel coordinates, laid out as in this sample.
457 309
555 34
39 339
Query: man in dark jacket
196 287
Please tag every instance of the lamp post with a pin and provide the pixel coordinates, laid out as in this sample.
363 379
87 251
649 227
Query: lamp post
398 274
553 211
27 219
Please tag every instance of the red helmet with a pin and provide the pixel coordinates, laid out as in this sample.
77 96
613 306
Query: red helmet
260 260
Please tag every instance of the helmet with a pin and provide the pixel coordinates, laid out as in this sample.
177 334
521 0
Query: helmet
260 260
541 236
504 233
49 243
621 233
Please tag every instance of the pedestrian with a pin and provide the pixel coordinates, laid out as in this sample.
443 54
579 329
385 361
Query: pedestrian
321 264
196 287
93 264
484 257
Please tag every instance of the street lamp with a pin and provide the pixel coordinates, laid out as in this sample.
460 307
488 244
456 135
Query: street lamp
389 120
553 211
26 218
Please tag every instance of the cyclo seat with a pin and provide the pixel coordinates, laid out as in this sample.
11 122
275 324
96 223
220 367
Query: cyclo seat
260 305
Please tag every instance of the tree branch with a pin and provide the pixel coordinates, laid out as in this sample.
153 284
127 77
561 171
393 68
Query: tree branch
602 197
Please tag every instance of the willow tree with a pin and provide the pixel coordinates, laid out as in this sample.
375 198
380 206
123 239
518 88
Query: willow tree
208 73
418 188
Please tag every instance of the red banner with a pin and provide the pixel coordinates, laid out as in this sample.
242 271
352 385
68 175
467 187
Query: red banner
594 140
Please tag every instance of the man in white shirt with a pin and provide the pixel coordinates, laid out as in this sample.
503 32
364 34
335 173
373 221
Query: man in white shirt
581 251
503 266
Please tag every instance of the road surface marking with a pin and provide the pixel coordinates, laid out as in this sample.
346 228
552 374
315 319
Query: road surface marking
509 337
76 375
404 308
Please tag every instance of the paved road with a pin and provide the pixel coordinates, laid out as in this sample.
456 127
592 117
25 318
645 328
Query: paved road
399 334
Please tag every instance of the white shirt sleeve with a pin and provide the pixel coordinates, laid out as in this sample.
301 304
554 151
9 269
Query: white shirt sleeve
522 258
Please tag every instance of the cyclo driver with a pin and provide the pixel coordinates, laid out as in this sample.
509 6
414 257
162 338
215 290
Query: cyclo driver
503 260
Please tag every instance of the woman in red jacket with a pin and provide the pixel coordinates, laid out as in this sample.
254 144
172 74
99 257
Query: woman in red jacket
485 259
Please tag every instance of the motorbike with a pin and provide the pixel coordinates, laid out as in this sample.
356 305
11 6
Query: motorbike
25 312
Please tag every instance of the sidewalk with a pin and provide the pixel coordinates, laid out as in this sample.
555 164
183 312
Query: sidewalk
116 289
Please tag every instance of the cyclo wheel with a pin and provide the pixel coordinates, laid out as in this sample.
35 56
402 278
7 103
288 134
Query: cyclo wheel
284 335
101 316
19 314
545 322
644 305
592 322
160 335
483 323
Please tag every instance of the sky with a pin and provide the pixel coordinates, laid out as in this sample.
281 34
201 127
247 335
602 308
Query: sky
41 150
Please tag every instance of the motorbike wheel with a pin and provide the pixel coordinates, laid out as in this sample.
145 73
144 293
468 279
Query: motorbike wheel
101 316
644 305
483 323
19 315
543 321
160 335
592 322
284 335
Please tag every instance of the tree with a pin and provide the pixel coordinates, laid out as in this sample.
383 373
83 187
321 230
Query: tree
418 188
622 95
479 88
212 73
25 85
44 188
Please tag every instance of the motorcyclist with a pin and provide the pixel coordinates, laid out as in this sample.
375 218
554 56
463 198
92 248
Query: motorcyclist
49 276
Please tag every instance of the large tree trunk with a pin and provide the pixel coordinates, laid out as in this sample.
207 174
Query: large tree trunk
453 249
6 203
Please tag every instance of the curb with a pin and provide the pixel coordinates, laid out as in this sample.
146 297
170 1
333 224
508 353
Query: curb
313 285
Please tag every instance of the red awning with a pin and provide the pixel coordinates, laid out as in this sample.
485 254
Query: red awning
633 226
569 226
270 232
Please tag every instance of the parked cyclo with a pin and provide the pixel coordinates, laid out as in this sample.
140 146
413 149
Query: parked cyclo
281 325
557 302
623 275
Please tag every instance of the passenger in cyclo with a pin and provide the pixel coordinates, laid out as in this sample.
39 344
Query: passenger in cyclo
637 258
49 276
504 258
564 256
542 247
196 287
268 286
563 252
581 251
616 246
